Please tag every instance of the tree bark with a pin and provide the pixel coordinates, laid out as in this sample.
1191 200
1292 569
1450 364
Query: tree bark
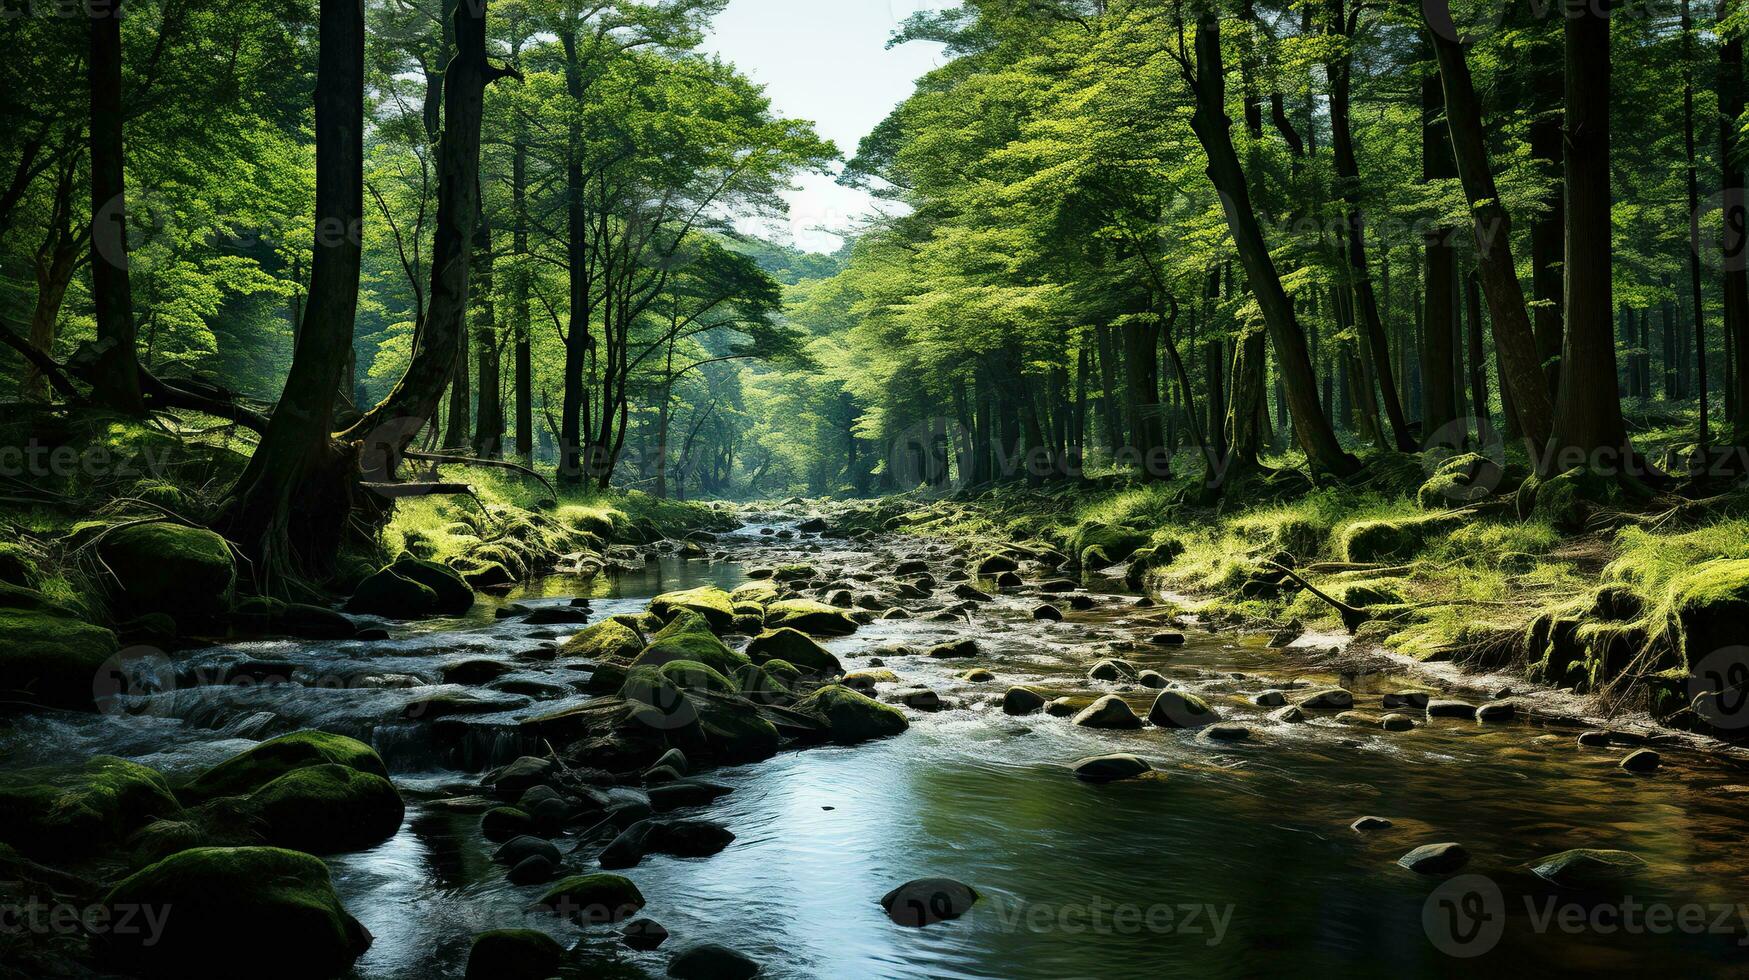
1734 242
114 372
1514 337
1693 205
288 510
488 385
1324 453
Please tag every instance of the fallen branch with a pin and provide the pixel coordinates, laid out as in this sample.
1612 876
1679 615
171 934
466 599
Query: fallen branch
503 464
47 365
1352 617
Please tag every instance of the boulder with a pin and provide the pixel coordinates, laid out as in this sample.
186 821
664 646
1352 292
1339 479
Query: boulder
715 605
593 898
610 641
954 650
1047 612
680 838
162 567
1589 868
454 596
1435 859
1395 722
688 637
327 809
643 934
61 815
391 595
685 793
1181 709
794 647
809 616
260 911
1109 711
923 901
52 660
1112 670
516 778
1020 701
514 954
850 717
1363 824
503 823
264 762
1328 699
1642 760
518 849
1225 732
1496 711
712 962
1110 768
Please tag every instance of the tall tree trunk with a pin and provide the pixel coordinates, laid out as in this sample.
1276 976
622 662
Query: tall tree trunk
390 426
289 509
1734 243
459 434
489 412
1339 72
1548 228
1439 411
114 372
1693 201
1513 335
1478 361
1324 453
1588 413
56 260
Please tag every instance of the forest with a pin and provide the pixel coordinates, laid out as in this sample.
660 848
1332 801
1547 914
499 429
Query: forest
432 483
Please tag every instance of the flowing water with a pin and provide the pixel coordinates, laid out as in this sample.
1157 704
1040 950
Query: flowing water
1237 861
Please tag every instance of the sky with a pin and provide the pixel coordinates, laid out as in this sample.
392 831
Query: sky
826 61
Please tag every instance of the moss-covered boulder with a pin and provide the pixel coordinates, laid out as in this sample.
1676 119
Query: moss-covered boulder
609 641
715 605
688 637
593 898
1711 606
850 717
327 809
223 912
796 648
18 566
52 660
809 616
761 592
514 954
1566 499
1098 545
1463 479
392 595
57 815
186 572
1395 539
692 676
733 731
454 595
261 764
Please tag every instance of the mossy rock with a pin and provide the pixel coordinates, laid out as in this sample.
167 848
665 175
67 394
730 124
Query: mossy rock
454 595
761 686
783 670
593 520
52 660
1394 539
56 815
391 595
809 616
261 764
514 954
593 898
260 911
18 566
1160 554
1710 605
482 574
608 641
186 572
688 637
794 648
690 676
708 601
761 593
1100 545
734 731
850 717
1566 499
328 809
1466 478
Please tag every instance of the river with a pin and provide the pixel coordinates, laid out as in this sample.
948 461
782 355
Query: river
1237 861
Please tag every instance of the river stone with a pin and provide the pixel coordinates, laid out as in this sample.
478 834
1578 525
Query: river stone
911 567
813 618
1358 718
926 900
954 650
1595 740
684 793
1109 768
1020 701
1439 708
454 595
1288 714
532 870
996 564
501 823
1332 698
977 675
471 672
1047 612
1363 824
712 962
1588 868
1406 699
897 612
1225 732
391 595
643 934
1496 711
1642 760
1109 711
1153 680
516 849
264 762
514 779
1167 639
59 814
1269 699
794 647
1058 585
850 717
593 898
1067 706
1112 669
714 604
1435 859
161 567
1395 722
680 838
1081 603
1181 709
261 911
514 954
327 809
918 698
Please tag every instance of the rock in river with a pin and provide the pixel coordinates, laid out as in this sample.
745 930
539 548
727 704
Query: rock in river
680 838
514 954
1450 709
1112 670
712 962
850 717
1435 859
1331 698
1588 868
925 900
1110 768
1109 711
1181 709
1369 823
1020 701
593 898
1642 760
